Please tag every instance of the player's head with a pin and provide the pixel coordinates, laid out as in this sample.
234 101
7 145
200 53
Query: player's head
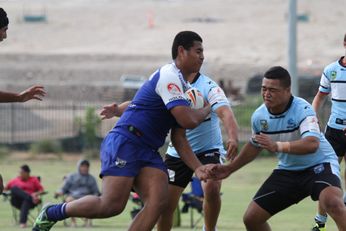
345 40
276 88
83 167
3 24
187 51
24 171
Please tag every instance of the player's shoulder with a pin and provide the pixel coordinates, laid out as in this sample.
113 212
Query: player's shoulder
331 67
169 69
302 107
207 81
260 112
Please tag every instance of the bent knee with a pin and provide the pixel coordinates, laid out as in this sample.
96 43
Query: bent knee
212 190
334 206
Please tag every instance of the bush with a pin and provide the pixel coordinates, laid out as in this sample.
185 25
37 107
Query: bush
46 146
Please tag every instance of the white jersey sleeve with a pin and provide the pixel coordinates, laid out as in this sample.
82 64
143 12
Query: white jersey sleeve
325 86
170 89
217 98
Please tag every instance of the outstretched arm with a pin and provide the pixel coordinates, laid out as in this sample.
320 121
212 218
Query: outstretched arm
231 127
111 110
190 118
35 92
247 154
181 144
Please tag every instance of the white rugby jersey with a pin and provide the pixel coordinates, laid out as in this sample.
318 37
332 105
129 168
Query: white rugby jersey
333 81
298 121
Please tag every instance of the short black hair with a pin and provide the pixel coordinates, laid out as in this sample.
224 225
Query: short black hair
25 168
3 18
280 73
84 162
345 38
185 39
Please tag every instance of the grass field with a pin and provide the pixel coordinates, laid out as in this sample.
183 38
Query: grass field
237 193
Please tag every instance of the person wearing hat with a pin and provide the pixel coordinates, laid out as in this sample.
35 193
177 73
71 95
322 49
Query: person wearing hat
25 193
78 185
34 92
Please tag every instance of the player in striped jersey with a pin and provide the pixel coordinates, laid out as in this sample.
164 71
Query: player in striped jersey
307 166
333 82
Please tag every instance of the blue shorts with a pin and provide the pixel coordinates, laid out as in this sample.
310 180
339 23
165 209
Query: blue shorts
121 156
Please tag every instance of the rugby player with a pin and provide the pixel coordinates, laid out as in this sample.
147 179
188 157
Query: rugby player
129 153
288 126
333 82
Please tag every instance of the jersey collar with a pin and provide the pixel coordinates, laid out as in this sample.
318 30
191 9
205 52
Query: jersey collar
286 109
196 78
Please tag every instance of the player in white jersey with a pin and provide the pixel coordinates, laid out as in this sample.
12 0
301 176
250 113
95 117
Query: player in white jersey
35 92
206 142
288 126
333 82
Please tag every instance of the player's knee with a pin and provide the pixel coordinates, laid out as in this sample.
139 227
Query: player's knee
334 206
248 221
212 191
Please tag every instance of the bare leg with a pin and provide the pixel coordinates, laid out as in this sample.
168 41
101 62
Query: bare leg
320 210
331 201
73 219
211 203
255 218
152 186
115 193
165 222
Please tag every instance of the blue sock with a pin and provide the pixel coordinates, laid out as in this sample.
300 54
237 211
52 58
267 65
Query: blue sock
57 212
321 218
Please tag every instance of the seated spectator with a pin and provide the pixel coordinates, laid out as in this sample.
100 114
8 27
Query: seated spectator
79 184
25 193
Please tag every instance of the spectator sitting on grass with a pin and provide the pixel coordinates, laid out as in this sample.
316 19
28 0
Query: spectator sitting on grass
79 184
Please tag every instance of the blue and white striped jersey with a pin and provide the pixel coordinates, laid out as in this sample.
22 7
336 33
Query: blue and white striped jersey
298 121
333 80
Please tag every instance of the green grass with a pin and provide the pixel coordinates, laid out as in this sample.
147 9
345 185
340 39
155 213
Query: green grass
237 193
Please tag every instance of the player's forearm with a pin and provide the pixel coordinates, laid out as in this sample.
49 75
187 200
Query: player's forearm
246 155
184 149
230 125
198 116
9 97
303 146
122 107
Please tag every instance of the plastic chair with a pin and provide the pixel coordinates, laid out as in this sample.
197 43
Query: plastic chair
194 201
15 211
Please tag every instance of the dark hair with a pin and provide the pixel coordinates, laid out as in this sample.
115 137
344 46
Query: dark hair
3 18
185 39
25 168
345 38
84 162
280 73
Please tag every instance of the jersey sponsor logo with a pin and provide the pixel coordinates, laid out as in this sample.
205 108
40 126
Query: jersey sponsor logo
264 125
120 163
174 89
333 75
171 175
176 98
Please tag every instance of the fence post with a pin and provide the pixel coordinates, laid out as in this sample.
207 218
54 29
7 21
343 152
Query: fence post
12 123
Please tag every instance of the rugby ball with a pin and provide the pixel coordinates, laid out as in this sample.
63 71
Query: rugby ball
195 97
